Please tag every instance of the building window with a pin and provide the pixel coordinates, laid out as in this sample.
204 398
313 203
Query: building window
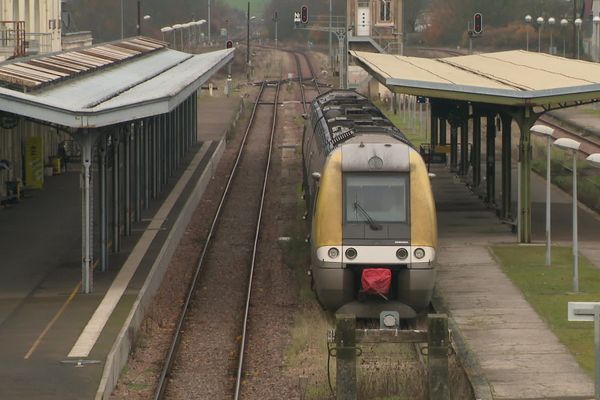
385 10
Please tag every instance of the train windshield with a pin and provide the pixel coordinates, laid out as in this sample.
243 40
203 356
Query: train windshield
375 198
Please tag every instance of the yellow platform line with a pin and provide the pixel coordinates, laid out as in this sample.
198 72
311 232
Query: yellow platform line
59 313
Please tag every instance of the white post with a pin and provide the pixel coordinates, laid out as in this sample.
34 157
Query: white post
548 202
575 243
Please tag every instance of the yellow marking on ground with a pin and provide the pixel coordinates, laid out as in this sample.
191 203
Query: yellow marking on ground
55 318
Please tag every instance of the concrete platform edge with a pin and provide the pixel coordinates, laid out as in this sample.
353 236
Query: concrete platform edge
468 359
119 354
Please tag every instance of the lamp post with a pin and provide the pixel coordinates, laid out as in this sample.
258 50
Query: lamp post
165 30
209 38
540 22
276 20
596 21
564 23
175 28
547 132
578 23
122 21
551 22
528 20
199 24
594 159
573 146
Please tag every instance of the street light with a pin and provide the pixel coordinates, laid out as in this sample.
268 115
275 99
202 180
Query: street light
528 20
209 38
596 21
573 146
540 22
594 159
578 23
547 132
564 23
551 22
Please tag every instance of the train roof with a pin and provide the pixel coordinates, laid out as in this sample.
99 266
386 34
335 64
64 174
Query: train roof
339 115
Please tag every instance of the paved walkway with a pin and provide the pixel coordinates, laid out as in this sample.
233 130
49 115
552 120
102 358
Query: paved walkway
517 353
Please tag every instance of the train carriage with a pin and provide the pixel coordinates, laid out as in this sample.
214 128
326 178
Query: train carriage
374 228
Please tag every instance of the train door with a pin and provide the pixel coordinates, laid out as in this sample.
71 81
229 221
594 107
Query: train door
363 19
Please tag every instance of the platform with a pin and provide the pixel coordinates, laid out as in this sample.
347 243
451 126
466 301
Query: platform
516 352
42 312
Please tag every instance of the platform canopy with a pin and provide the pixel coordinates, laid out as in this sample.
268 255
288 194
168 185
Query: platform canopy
105 84
511 78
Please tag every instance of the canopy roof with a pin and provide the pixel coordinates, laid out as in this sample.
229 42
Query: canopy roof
149 84
517 78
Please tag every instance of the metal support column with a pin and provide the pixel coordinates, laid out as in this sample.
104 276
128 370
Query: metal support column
490 170
526 121
464 147
129 137
443 132
195 117
86 139
506 167
146 160
476 149
103 207
137 148
434 128
155 157
116 206
453 147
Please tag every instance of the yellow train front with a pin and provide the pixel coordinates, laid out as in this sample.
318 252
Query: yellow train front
374 228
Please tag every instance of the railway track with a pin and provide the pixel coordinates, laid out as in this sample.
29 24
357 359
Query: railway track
237 196
244 193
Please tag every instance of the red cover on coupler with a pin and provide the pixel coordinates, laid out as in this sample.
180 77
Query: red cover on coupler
376 281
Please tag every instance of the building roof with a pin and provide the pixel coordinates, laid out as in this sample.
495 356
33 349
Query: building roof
149 84
517 78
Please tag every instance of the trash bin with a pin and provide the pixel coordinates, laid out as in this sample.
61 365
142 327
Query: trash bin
56 165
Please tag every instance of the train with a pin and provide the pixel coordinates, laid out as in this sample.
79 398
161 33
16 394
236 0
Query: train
373 238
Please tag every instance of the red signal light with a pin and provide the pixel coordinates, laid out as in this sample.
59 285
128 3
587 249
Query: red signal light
478 23
304 14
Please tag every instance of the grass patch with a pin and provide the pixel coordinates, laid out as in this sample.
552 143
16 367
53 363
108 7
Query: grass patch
547 289
588 183
405 125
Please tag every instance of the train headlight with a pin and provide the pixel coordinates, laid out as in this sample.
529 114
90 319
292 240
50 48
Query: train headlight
333 252
351 253
402 254
419 253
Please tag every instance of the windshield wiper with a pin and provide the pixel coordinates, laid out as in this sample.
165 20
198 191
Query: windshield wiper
374 226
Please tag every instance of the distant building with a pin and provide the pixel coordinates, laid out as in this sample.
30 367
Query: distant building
29 27
377 24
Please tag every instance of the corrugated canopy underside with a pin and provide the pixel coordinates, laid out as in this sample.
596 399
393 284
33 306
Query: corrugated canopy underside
145 86
509 77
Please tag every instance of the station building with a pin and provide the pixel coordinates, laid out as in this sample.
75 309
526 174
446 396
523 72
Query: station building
29 27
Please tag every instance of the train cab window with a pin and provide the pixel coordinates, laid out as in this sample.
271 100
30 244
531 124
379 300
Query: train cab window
375 198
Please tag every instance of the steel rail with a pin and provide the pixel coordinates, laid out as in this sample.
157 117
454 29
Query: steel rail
238 381
300 80
170 358
312 73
